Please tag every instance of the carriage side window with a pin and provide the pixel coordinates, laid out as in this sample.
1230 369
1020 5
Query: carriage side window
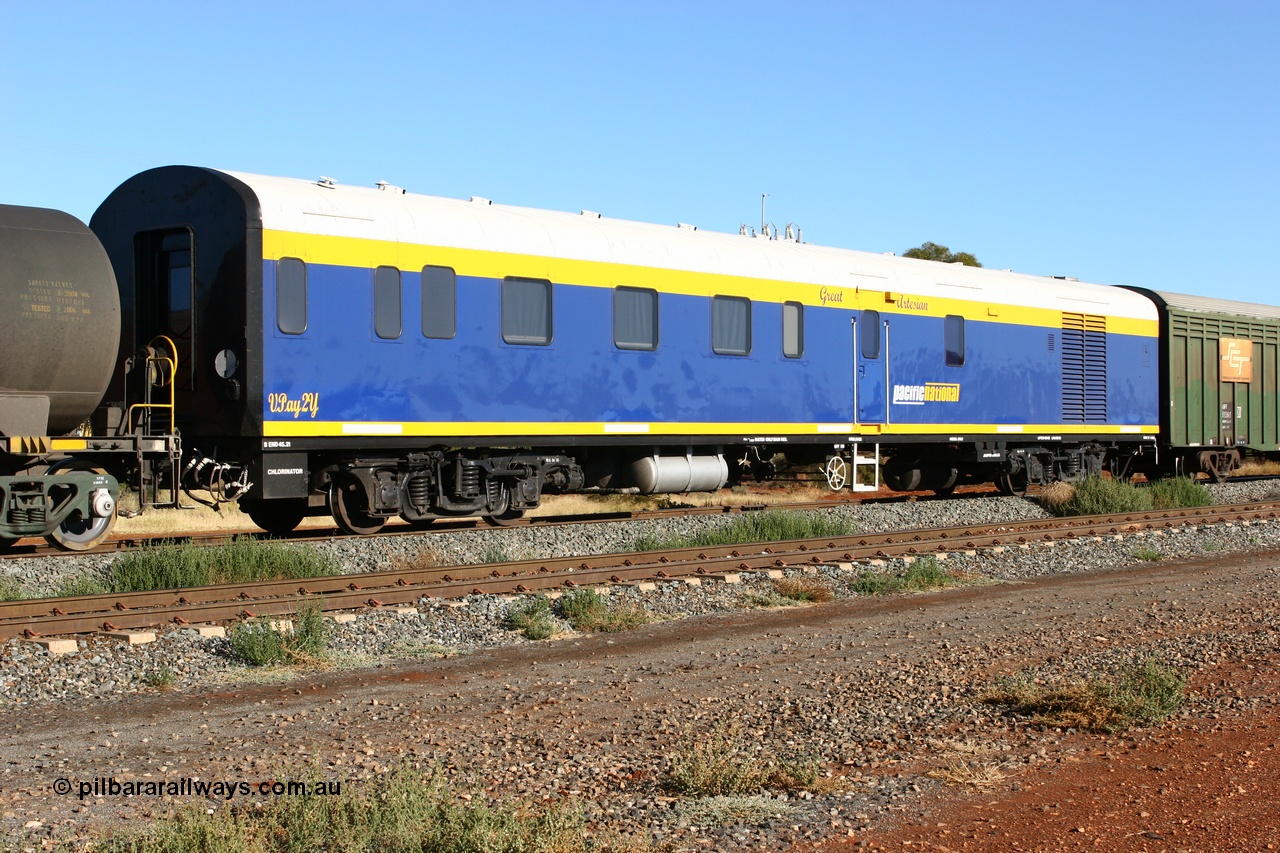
291 296
439 302
635 318
526 311
387 316
953 340
869 333
792 329
730 325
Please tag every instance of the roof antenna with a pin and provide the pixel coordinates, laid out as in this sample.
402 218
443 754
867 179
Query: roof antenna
763 196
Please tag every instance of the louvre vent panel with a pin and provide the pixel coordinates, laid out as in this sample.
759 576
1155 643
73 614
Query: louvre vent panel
1083 346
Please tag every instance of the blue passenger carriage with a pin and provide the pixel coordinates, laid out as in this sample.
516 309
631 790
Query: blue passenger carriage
381 354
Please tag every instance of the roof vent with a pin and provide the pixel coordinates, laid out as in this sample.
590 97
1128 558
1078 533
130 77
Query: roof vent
686 226
389 188
475 199
1066 278
327 183
590 214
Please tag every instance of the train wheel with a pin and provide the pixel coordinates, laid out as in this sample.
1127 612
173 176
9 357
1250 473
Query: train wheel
1014 485
837 472
346 502
278 517
504 519
80 534
502 515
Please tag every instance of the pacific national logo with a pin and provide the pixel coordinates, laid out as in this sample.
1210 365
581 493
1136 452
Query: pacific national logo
929 392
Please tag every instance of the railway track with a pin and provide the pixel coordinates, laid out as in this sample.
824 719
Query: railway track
31 548
112 611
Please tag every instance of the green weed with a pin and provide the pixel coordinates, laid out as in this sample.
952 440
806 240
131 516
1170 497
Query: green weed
405 810
1138 695
765 526
160 679
924 574
259 643
1176 492
496 554
241 560
587 611
1099 496
81 585
10 589
532 618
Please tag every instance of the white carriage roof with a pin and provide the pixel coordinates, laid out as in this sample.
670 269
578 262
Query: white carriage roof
391 214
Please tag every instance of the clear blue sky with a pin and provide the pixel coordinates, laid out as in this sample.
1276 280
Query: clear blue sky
1119 142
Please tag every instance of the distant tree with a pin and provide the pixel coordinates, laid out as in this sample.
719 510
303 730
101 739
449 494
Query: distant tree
934 252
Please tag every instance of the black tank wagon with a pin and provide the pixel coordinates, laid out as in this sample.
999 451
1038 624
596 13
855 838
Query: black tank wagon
60 323
63 455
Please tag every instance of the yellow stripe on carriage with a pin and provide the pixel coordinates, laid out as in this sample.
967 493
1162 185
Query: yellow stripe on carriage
744 432
368 254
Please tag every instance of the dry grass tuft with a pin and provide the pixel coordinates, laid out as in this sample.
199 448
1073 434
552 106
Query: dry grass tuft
724 762
803 589
969 763
424 558
1056 495
1258 468
192 517
971 772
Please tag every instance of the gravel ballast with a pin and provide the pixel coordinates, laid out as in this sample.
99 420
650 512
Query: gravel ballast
870 728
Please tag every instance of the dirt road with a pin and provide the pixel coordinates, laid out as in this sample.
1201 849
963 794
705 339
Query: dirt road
883 690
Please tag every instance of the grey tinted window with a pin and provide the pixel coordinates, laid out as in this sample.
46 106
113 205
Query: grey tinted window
730 325
439 302
526 311
953 335
387 320
291 296
792 329
635 318
869 332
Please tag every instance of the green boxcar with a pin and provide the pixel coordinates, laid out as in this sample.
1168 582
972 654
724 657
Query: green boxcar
1219 362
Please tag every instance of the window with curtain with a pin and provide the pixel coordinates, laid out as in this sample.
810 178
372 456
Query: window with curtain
792 329
526 311
635 318
730 325
439 302
291 296
387 318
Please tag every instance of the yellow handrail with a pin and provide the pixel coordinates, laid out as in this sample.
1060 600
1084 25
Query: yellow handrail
162 379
